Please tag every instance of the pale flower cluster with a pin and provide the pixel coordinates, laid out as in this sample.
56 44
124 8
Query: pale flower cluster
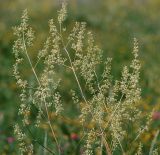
109 106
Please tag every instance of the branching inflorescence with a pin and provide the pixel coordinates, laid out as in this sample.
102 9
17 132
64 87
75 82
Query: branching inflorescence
108 106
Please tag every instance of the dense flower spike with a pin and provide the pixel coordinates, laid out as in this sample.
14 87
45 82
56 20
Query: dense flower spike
62 13
24 147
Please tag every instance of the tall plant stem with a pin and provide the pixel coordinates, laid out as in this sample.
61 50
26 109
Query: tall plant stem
82 94
74 72
46 108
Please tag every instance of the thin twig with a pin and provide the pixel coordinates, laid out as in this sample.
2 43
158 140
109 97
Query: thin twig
35 140
46 108
153 143
74 72
112 115
30 60
82 94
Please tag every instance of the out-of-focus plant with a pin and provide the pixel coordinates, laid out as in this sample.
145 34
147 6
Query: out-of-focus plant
109 106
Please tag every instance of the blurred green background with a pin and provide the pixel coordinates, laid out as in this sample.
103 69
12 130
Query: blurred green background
114 24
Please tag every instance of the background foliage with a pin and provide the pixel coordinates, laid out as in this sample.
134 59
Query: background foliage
114 24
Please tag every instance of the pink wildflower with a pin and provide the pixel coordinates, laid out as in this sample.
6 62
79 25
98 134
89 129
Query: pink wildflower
156 116
74 136
10 140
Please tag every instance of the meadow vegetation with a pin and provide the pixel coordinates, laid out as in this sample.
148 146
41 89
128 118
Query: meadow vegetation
107 109
90 97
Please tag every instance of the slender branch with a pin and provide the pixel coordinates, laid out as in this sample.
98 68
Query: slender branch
109 152
46 108
37 63
49 123
120 145
82 94
74 72
111 116
100 88
30 60
153 143
35 140
45 142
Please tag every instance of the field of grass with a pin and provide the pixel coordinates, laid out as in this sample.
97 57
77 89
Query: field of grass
114 25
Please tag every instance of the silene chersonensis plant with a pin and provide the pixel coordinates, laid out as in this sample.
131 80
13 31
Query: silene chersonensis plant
108 116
